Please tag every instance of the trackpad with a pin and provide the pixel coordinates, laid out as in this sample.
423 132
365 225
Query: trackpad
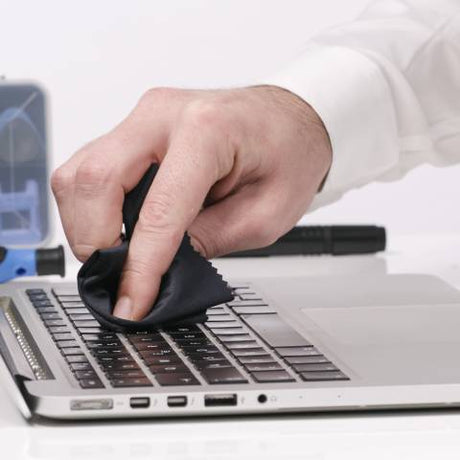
408 343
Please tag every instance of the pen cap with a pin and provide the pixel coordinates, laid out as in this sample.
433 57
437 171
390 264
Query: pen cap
362 239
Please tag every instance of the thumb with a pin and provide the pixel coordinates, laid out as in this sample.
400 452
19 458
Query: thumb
244 220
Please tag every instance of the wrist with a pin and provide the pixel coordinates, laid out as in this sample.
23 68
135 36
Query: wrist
312 131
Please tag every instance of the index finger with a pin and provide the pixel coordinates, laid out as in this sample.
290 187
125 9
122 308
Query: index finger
176 196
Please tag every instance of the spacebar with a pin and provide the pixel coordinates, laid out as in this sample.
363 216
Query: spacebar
274 330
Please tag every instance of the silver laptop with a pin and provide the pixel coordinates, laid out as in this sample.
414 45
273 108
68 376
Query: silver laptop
282 345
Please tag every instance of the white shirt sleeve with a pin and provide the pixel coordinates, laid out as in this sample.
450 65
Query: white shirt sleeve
387 87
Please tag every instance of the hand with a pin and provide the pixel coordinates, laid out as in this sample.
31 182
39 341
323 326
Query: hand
238 169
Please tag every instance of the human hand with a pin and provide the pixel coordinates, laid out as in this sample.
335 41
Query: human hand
238 168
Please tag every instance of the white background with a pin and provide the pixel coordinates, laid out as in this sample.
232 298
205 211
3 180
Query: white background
97 57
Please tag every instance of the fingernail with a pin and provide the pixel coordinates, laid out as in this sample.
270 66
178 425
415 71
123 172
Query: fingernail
123 308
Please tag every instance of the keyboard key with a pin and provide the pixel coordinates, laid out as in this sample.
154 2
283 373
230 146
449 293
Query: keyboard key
59 329
252 310
275 331
256 359
65 290
69 298
250 345
162 360
201 365
136 373
263 367
66 343
44 310
176 379
156 353
220 318
119 366
188 335
111 352
62 336
297 351
81 317
85 366
323 376
217 308
231 331
136 339
54 322
44 316
201 358
152 346
99 336
131 382
213 314
42 303
90 330
222 376
91 383
292 360
239 353
194 343
221 324
77 311
106 344
191 328
72 351
236 339
91 374
249 296
84 324
115 359
272 376
247 303
38 297
76 359
321 367
210 350
167 369
71 306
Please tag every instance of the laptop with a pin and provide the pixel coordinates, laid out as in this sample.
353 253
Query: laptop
282 345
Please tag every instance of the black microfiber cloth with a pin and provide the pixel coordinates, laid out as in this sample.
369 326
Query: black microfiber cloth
189 287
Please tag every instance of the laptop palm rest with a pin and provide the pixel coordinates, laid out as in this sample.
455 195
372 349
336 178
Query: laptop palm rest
407 344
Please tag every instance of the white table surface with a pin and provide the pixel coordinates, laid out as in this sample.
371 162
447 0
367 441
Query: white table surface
377 435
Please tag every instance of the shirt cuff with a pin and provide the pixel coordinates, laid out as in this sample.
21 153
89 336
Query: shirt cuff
349 92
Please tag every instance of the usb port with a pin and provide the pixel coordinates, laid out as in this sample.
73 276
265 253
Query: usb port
139 402
220 400
177 401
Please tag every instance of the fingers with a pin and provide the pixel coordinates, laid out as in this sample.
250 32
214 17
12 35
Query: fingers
176 196
245 220
62 184
99 191
90 187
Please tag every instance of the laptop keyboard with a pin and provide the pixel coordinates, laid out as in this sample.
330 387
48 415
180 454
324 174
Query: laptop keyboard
243 341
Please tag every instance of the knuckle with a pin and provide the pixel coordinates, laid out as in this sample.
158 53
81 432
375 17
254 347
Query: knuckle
155 218
92 175
158 94
61 179
206 114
